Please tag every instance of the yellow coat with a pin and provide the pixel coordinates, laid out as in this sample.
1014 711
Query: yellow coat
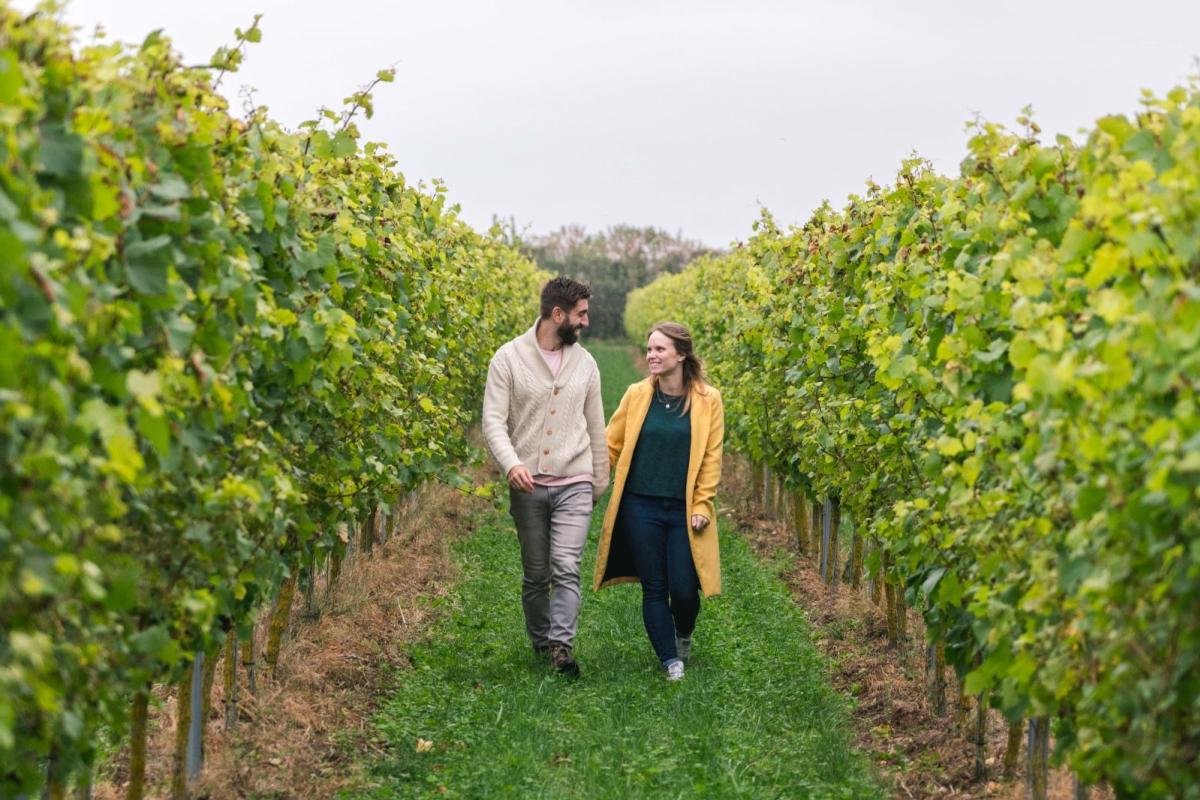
613 564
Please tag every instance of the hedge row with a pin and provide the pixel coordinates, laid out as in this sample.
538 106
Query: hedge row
996 373
218 339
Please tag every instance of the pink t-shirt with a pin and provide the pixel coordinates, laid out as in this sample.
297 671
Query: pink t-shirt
553 359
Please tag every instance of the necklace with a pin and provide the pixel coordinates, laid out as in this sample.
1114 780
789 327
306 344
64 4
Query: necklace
666 399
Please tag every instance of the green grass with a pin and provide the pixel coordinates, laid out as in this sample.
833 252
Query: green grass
616 371
754 716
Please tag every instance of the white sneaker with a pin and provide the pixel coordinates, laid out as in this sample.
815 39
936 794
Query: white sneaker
675 671
683 647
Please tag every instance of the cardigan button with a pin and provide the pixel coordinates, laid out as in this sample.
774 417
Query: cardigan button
552 411
556 391
550 433
545 452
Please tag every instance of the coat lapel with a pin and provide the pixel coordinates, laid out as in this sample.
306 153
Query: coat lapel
637 415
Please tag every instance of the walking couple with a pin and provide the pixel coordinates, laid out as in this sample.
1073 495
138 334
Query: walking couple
544 425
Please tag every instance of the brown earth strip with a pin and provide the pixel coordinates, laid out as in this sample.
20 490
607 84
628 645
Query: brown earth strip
304 734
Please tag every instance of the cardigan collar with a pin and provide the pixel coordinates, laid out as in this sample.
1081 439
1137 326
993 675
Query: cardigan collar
530 352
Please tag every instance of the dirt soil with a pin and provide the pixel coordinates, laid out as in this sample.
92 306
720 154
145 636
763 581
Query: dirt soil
305 733
919 753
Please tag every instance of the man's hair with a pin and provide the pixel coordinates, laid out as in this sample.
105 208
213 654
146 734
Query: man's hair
562 293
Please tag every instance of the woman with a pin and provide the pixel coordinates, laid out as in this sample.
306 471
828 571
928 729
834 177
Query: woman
665 440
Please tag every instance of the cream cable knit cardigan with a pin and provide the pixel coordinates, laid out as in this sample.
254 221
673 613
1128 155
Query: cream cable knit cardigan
554 425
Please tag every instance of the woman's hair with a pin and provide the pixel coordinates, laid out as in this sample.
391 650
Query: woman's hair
693 368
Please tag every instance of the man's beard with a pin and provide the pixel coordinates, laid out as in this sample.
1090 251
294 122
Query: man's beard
568 333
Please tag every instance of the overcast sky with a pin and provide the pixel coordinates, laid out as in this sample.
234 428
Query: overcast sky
683 115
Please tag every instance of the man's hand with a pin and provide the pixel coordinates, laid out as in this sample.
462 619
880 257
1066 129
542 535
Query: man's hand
699 522
520 479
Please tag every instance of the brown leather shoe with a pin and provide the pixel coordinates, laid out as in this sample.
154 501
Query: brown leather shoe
563 661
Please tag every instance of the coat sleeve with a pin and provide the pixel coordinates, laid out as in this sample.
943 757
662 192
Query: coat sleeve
615 432
594 414
497 395
710 463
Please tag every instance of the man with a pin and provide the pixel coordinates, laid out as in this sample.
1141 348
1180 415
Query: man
544 425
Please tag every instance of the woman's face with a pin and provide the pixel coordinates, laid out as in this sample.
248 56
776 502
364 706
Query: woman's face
661 355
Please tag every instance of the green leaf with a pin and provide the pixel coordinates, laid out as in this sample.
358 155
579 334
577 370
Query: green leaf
1088 501
61 151
1107 261
156 430
343 145
976 681
146 388
1021 351
950 590
170 187
105 200
931 580
96 416
1023 667
11 80
123 457
146 264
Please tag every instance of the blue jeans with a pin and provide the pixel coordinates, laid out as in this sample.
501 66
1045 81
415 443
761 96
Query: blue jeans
656 531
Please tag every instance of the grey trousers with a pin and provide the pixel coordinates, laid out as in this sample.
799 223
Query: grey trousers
552 526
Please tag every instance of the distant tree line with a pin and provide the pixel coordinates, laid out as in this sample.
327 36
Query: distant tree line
613 262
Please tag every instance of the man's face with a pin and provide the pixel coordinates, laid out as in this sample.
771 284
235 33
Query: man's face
572 322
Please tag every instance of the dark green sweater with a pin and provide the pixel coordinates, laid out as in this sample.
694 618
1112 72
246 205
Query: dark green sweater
660 459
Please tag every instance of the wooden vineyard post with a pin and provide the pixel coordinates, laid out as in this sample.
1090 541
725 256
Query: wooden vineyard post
757 471
767 504
279 621
1079 789
980 737
889 594
183 724
337 555
230 680
1012 750
857 546
826 527
875 585
780 499
248 661
137 746
962 708
378 520
210 674
938 688
801 522
367 533
309 574
1038 778
833 576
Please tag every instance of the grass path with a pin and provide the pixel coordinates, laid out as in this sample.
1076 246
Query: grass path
478 716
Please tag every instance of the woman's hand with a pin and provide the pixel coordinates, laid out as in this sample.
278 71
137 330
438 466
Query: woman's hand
699 522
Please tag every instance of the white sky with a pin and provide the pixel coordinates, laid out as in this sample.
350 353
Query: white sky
683 115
